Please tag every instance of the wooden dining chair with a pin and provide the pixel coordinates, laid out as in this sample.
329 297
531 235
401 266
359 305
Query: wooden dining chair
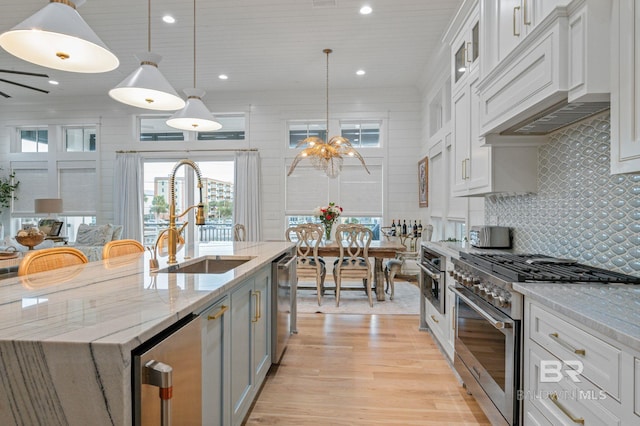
239 232
309 265
49 259
121 247
354 241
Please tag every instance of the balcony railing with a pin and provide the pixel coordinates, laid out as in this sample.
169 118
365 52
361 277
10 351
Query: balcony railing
210 231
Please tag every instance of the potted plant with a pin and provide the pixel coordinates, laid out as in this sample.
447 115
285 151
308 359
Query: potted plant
8 186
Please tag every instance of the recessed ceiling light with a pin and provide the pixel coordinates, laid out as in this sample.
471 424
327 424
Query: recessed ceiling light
365 10
223 77
361 72
169 19
55 83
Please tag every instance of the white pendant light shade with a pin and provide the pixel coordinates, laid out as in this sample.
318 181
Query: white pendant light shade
57 37
147 88
195 115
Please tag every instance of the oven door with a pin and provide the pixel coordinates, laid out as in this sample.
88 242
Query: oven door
432 286
487 354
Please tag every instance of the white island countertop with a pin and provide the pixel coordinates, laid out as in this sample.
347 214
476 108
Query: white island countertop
66 336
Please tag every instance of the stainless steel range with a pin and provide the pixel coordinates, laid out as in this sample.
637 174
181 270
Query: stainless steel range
489 321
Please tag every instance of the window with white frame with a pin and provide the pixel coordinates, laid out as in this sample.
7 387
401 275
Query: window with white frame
358 193
79 138
300 130
34 139
233 128
155 129
361 133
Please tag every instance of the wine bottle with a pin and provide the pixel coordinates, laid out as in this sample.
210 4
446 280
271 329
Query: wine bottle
404 227
420 229
415 228
393 227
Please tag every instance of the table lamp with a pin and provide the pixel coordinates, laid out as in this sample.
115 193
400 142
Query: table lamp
48 206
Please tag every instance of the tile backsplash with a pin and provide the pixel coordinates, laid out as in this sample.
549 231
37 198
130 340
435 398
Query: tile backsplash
580 211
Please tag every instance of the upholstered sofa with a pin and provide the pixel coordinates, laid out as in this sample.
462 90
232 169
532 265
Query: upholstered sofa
90 239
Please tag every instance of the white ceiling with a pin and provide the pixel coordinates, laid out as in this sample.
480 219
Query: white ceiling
259 44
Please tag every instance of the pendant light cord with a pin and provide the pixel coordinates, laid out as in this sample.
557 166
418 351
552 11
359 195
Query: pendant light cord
194 44
149 26
327 51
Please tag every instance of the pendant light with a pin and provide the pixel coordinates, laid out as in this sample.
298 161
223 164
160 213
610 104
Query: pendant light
57 37
326 156
146 87
194 116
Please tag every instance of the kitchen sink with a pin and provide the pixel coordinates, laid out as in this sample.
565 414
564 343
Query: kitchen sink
207 265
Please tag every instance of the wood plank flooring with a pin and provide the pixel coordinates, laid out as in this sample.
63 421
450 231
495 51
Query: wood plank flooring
347 369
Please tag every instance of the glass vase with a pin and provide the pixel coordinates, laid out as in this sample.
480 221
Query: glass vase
327 232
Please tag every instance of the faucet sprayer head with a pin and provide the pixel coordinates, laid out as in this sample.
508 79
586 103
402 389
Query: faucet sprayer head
200 220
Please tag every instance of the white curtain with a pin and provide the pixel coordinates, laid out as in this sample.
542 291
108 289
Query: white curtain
246 205
127 195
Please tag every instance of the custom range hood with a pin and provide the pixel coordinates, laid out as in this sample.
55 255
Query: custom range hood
556 117
556 76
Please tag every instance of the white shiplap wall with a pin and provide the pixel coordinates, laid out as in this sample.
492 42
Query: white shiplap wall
268 113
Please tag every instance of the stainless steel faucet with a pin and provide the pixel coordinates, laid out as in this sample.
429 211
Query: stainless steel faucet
172 231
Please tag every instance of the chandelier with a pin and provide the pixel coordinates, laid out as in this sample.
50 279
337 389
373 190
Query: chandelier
326 156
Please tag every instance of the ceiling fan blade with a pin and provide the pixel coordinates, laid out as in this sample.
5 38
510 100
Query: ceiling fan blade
34 74
5 95
24 85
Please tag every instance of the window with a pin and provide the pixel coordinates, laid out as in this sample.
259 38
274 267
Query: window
233 128
34 140
153 129
80 139
372 223
217 193
298 131
361 134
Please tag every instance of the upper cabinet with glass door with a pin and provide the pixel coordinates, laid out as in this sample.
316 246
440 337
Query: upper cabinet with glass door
466 50
507 23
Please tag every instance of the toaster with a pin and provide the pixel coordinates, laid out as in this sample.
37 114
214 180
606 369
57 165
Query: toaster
490 236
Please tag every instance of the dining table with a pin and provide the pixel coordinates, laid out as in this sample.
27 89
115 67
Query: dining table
379 250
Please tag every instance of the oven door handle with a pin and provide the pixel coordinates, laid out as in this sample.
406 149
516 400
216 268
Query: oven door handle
497 323
431 274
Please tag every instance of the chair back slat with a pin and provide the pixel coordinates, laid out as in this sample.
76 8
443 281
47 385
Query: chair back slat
239 232
121 247
48 259
354 241
307 237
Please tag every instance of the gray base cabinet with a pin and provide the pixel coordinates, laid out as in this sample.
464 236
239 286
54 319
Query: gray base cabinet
216 375
250 341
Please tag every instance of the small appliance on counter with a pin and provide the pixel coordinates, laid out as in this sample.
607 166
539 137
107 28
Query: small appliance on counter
490 237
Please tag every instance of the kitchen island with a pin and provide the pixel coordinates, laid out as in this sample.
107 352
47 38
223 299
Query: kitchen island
67 335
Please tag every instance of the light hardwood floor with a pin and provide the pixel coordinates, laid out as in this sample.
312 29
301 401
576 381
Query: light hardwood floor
346 369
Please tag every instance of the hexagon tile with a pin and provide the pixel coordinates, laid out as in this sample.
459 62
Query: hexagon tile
580 211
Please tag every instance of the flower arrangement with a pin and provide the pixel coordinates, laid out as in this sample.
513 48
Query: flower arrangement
327 216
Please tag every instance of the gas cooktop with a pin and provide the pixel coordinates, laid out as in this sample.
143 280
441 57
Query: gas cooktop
538 267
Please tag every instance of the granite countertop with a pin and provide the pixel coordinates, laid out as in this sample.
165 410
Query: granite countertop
611 309
119 301
66 335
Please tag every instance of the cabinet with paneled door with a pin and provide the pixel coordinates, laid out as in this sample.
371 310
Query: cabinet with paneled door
575 375
507 22
251 341
625 87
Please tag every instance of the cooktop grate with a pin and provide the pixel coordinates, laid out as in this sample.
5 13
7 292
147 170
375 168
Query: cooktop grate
538 267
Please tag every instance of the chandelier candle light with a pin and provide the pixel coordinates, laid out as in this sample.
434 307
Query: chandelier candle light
326 156
328 215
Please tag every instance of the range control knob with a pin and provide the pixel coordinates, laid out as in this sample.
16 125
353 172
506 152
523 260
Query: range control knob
503 302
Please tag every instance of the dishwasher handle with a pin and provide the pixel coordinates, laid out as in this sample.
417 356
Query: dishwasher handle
285 263
158 374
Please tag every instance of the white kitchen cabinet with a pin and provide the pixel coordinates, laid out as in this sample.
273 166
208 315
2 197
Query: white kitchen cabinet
625 87
560 61
573 374
216 375
250 342
507 22
465 48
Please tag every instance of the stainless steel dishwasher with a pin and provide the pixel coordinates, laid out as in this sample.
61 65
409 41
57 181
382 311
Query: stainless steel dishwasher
284 304
167 378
